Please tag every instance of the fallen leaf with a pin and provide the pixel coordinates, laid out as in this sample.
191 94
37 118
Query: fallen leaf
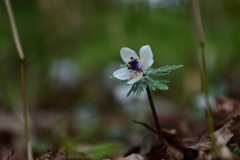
222 137
9 156
222 150
226 108
46 156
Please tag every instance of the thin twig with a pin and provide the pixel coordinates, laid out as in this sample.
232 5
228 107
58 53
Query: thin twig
160 136
200 32
22 69
145 125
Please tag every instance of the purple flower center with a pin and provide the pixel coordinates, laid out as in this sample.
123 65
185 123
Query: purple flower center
134 65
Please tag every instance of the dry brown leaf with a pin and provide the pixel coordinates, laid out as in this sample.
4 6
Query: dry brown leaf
222 137
205 135
9 156
225 132
222 150
172 147
226 108
46 156
172 139
201 146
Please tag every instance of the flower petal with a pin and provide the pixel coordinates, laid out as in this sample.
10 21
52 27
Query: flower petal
126 53
149 64
122 74
146 54
133 80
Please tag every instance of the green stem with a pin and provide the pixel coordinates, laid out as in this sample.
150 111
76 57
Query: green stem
159 131
25 110
200 33
22 70
209 110
24 98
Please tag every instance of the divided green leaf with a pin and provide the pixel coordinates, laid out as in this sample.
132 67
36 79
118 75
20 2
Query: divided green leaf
149 79
162 71
137 88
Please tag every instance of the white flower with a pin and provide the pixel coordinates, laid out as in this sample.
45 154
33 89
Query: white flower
135 65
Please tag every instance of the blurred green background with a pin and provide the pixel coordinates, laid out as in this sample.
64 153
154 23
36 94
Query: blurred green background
72 47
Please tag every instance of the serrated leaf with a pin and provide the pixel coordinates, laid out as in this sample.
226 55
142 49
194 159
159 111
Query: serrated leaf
162 86
159 80
151 80
153 87
160 74
147 82
163 81
138 93
164 68
144 86
114 78
149 69
175 67
131 90
137 88
168 68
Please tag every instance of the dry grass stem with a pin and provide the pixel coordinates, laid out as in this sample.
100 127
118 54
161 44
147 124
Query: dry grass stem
22 70
198 22
14 30
200 33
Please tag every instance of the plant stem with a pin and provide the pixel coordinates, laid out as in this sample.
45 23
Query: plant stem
200 32
22 70
159 131
25 110
209 110
14 30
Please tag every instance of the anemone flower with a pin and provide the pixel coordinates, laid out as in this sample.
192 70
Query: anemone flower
135 65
